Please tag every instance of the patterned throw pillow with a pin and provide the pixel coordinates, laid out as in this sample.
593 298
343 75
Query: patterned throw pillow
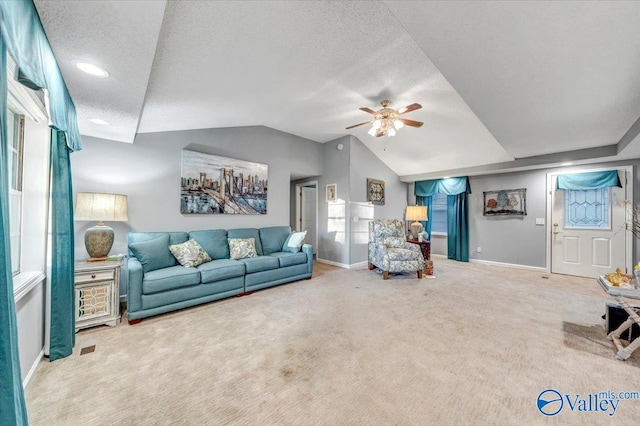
240 248
189 254
395 242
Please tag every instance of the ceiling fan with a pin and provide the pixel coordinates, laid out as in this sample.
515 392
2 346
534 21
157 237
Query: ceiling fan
387 120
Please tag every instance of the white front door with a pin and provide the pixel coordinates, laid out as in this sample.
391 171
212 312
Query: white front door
588 236
308 214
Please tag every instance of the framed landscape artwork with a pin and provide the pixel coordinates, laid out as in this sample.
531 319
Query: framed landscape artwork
211 184
506 202
375 191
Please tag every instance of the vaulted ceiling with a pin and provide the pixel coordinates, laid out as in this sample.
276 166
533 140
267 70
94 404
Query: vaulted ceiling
503 85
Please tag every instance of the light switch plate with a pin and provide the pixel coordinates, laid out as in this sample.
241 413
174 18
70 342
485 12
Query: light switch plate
539 220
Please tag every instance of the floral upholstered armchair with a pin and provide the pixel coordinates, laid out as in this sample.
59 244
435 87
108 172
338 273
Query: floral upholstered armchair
389 250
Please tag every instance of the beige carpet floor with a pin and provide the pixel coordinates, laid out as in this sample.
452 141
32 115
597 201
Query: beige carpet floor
476 345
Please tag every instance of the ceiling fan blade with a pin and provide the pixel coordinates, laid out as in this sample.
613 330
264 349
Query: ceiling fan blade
409 108
379 134
411 123
369 110
359 124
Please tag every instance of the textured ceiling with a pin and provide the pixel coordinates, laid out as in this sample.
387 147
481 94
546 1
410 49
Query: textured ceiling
510 80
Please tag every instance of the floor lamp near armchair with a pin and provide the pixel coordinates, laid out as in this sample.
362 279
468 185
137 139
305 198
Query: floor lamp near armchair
94 206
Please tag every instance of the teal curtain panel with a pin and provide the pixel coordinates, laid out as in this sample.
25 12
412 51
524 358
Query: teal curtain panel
458 227
13 409
456 190
62 251
589 180
37 67
449 186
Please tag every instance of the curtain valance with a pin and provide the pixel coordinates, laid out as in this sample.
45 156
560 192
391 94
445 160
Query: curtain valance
448 186
589 180
37 68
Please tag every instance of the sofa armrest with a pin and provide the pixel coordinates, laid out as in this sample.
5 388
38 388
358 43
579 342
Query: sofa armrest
134 289
308 250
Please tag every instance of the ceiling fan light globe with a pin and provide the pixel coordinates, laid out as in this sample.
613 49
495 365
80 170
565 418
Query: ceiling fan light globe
391 132
376 124
398 124
372 132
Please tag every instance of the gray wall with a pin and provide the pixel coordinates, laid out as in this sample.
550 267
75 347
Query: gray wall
518 240
343 226
30 311
148 171
333 227
514 240
365 164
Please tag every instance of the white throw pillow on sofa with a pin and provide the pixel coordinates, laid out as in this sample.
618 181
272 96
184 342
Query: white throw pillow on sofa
294 242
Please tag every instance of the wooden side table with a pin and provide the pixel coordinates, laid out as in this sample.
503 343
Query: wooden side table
425 248
97 289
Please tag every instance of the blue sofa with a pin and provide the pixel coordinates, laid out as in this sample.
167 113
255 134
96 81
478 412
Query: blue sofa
175 287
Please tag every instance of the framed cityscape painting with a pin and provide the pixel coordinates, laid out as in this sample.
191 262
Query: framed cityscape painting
375 191
211 184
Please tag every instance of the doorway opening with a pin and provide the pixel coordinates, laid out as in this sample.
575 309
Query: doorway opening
306 196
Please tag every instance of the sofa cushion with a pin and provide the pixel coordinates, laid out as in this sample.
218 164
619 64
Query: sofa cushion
214 242
294 242
290 259
169 279
247 233
190 254
273 237
153 254
240 248
260 263
220 269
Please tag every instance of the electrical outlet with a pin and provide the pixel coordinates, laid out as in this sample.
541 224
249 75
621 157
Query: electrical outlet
539 221
479 250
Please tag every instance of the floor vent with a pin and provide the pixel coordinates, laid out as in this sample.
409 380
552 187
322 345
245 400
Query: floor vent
87 350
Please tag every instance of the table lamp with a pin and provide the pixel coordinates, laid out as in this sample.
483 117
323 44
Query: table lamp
94 206
416 213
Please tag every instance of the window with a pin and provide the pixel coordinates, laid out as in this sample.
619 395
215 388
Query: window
15 136
28 148
439 214
587 208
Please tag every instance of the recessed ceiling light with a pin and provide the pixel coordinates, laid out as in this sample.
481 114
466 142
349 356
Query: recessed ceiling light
92 69
446 177
567 163
98 121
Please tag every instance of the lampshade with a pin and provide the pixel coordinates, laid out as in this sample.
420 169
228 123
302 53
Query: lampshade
101 207
95 206
416 213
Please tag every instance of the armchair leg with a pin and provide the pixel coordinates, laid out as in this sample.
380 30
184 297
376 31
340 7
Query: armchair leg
371 266
419 273
385 275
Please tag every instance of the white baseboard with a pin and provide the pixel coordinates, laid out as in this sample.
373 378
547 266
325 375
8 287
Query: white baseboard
343 265
33 369
510 265
359 265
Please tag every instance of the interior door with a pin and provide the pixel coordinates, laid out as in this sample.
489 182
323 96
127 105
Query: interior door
308 214
588 236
